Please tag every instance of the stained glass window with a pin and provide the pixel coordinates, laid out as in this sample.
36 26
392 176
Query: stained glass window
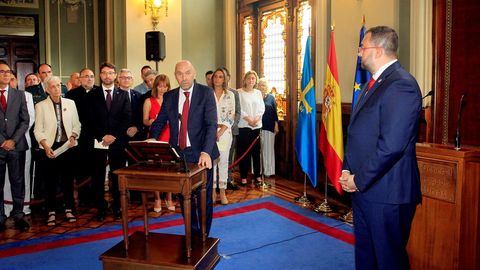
273 48
304 22
247 44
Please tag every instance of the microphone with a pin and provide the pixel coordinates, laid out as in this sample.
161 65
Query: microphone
459 121
430 93
180 117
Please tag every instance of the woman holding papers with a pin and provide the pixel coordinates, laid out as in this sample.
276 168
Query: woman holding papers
151 108
56 129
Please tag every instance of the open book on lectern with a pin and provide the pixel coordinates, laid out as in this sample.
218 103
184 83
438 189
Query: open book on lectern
152 152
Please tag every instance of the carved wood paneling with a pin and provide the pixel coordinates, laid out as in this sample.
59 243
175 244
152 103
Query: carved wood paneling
457 69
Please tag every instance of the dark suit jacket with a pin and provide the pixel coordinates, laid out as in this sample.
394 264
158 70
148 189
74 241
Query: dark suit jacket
114 122
14 122
39 94
380 149
202 120
79 95
137 114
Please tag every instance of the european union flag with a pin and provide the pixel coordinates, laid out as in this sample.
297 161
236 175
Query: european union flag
306 139
361 76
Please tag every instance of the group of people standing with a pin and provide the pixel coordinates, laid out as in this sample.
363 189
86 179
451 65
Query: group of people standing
243 115
79 132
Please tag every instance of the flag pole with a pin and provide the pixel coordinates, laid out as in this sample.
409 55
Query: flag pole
324 207
304 199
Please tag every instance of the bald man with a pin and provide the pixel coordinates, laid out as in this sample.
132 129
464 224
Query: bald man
199 145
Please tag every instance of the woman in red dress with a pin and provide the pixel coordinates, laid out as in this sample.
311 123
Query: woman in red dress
151 108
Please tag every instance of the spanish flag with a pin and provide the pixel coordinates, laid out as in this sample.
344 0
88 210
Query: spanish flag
331 135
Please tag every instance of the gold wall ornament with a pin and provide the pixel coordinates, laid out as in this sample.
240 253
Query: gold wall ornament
72 5
157 9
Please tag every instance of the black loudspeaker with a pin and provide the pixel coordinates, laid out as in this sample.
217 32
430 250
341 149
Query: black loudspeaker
155 45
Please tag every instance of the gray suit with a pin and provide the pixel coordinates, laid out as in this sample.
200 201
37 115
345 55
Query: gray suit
13 125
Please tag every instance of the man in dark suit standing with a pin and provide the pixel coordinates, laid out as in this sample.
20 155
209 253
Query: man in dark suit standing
109 118
14 121
38 91
125 80
85 141
191 111
380 165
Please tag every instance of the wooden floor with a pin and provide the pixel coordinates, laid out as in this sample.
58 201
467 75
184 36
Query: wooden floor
281 188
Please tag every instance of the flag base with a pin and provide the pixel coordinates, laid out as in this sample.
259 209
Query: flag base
304 200
324 207
348 217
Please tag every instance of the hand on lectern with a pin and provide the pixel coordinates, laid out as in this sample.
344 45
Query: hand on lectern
205 160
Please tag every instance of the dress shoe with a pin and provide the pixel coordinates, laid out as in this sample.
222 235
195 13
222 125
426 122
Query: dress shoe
117 214
232 186
157 206
223 196
22 224
170 205
100 215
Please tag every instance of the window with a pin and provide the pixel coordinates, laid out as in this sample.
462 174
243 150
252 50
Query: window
273 49
304 22
247 45
265 27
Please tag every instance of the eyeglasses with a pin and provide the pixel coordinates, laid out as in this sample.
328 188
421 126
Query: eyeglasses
6 72
361 49
108 73
88 76
125 77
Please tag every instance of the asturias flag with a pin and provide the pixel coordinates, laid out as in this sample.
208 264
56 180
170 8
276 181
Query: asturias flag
331 135
361 75
306 139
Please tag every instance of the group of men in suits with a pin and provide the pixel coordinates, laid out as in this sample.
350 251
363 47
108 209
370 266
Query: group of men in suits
111 116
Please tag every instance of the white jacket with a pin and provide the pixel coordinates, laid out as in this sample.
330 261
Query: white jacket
46 121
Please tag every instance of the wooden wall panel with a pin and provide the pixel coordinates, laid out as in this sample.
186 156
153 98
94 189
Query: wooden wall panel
456 37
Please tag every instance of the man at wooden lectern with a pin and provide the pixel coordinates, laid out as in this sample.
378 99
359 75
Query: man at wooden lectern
380 165
191 111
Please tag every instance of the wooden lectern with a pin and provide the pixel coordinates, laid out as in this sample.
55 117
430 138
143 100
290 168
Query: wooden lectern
157 172
445 231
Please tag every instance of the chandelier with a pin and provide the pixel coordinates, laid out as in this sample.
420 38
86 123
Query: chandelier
156 9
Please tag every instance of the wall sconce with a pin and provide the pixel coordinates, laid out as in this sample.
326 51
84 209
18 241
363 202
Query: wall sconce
71 4
156 8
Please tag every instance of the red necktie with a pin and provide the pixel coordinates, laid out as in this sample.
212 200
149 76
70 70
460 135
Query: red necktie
370 83
108 100
182 138
3 100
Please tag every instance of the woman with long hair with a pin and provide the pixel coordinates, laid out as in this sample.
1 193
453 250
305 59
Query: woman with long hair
250 124
225 118
151 108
